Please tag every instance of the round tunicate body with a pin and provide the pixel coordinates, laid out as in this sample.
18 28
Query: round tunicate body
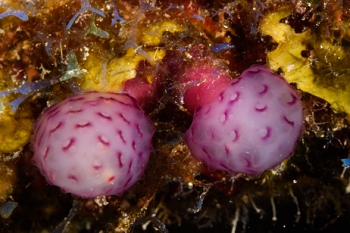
93 144
252 126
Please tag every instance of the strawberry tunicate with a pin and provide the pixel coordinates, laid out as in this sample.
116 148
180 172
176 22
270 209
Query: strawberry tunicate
252 126
93 144
204 79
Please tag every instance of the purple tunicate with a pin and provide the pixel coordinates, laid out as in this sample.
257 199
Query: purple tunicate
93 144
252 126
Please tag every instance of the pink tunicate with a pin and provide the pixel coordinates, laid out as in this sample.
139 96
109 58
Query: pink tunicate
252 126
204 80
145 93
93 144
147 87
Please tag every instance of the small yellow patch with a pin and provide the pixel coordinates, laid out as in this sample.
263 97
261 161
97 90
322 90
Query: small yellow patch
15 130
111 76
152 35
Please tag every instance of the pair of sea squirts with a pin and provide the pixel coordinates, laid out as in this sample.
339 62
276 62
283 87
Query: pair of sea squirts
99 143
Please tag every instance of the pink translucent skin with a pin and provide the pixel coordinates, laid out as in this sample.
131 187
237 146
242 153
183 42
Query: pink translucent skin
252 126
202 83
145 93
93 144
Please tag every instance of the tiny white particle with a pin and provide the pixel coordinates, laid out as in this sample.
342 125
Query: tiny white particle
290 68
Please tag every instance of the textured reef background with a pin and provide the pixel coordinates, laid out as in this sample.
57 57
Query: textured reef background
50 50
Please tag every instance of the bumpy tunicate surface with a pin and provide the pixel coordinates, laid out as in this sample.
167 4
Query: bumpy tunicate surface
93 144
252 126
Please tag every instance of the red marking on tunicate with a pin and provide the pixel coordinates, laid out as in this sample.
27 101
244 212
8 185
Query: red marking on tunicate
56 128
235 81
225 115
38 129
227 150
119 157
294 99
74 111
253 71
52 109
122 103
133 144
249 163
91 102
104 116
75 99
206 153
52 115
46 153
133 103
72 177
211 134
268 134
83 125
107 98
127 182
226 168
71 142
41 138
123 118
108 191
261 109
192 134
221 97
111 179
206 109
230 102
288 121
104 142
140 155
129 168
120 133
264 90
198 109
139 130
236 135
97 167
